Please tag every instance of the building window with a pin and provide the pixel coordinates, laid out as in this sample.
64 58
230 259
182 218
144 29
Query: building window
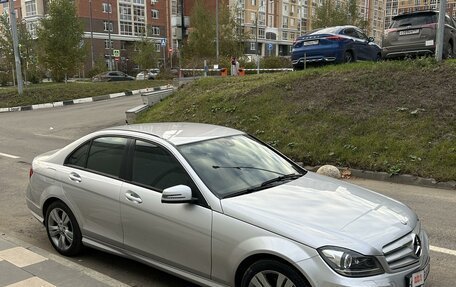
253 2
155 31
107 25
157 47
107 46
126 28
140 29
138 2
261 33
139 14
31 28
252 17
285 22
253 46
30 8
125 12
107 8
123 45
284 35
155 14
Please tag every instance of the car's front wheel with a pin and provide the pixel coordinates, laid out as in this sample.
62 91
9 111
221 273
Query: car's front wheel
272 273
448 51
63 230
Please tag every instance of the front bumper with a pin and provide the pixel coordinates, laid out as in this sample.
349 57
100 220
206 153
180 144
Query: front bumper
320 274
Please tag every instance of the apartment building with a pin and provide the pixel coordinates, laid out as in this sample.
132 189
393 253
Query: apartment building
396 7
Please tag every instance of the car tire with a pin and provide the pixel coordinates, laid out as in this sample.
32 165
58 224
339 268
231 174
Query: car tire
272 273
348 57
62 229
448 51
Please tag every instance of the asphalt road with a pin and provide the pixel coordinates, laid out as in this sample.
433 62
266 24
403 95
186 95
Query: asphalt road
24 135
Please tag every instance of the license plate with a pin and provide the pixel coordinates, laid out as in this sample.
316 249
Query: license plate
409 32
418 278
310 43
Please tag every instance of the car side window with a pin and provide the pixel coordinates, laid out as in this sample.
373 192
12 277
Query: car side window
155 167
350 32
360 35
106 155
79 156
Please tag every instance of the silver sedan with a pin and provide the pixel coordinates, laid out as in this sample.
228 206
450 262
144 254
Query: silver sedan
220 208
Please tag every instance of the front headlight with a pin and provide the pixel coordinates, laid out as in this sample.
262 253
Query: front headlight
350 263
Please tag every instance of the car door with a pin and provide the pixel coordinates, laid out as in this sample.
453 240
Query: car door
174 234
91 182
359 45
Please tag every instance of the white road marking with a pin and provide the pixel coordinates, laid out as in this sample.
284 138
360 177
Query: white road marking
9 155
442 250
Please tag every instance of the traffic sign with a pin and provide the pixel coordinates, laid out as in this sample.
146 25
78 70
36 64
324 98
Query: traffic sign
116 53
270 46
163 42
116 59
170 50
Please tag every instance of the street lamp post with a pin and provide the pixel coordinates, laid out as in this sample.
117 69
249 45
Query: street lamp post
17 59
91 35
217 29
109 35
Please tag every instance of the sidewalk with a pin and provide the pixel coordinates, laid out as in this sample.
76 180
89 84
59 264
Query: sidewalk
23 265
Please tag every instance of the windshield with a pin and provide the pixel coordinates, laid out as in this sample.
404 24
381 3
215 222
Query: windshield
234 164
414 20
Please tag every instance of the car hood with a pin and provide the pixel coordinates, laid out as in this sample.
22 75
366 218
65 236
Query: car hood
319 211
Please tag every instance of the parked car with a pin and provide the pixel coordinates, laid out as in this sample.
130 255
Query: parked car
221 208
149 74
414 34
340 44
112 76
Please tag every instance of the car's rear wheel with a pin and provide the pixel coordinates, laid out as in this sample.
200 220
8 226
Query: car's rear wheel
348 57
272 273
448 51
63 230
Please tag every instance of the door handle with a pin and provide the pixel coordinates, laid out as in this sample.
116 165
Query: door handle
75 177
131 196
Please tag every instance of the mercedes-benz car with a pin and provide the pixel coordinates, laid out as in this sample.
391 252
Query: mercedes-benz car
219 207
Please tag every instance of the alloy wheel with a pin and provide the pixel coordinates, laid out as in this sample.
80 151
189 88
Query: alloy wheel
60 229
270 278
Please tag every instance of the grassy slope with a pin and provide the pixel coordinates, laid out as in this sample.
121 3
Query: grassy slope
397 117
53 92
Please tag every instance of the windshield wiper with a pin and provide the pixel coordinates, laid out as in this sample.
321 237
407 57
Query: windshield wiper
284 177
248 167
265 184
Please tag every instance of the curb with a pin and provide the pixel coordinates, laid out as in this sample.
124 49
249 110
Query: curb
106 280
82 100
397 178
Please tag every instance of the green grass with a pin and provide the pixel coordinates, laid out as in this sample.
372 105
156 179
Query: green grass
397 117
53 92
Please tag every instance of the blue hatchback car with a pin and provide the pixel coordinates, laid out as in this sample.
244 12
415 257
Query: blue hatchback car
340 44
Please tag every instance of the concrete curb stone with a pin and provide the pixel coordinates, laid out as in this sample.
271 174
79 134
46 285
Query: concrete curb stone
398 178
81 100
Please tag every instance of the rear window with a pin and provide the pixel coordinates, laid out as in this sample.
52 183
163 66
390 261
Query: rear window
414 20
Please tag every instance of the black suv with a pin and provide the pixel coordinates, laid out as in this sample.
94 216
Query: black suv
414 34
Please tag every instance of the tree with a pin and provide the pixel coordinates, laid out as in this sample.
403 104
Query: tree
146 55
26 46
201 43
335 13
60 38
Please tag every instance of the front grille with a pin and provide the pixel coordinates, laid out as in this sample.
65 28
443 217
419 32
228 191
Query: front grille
403 252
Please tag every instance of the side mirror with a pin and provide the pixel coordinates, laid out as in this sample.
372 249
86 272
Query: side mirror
177 194
370 39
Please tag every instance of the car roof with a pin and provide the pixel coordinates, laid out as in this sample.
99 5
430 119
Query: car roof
333 29
179 133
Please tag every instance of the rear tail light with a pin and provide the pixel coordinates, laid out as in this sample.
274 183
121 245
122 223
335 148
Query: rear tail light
335 38
387 31
30 172
431 26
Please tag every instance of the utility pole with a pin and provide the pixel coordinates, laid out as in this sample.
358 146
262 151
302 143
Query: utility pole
217 29
109 35
17 59
439 45
91 34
